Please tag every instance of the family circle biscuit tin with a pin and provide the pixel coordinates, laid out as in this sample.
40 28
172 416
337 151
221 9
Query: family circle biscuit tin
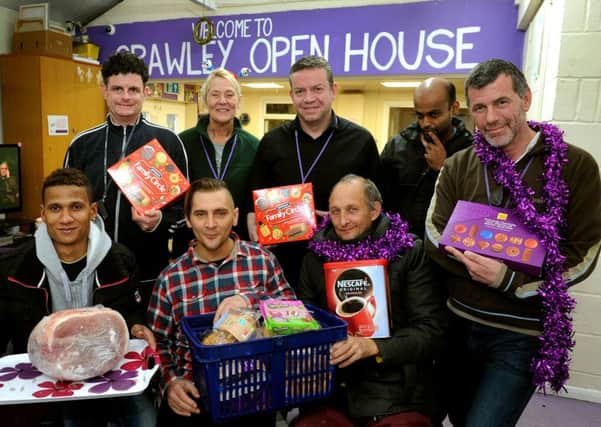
494 232
284 214
148 177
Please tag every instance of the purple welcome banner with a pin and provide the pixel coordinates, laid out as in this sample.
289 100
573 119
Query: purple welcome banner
432 37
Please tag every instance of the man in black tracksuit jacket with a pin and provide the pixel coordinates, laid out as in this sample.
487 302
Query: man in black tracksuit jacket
125 130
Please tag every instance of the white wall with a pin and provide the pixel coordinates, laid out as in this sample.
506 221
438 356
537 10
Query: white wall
577 110
563 65
7 26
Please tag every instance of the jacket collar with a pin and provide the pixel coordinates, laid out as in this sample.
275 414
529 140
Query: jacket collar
388 238
334 124
112 125
203 123
377 230
237 251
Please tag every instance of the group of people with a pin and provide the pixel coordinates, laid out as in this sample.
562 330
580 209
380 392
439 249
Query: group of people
467 332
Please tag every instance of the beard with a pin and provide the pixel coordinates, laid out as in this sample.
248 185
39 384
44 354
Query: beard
501 140
509 134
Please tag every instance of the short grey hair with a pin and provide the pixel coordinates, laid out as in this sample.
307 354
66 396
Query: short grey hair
370 190
488 71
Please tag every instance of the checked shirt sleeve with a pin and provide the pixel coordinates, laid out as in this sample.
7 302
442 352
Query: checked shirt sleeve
160 320
271 282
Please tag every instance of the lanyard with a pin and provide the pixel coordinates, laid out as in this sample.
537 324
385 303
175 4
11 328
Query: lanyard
227 163
488 192
300 161
123 149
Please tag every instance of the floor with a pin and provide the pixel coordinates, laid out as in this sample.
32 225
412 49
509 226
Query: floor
549 411
555 411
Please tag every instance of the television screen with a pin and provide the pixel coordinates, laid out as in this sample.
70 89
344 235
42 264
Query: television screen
10 178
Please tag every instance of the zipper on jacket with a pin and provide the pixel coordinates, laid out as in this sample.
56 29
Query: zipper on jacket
16 282
118 201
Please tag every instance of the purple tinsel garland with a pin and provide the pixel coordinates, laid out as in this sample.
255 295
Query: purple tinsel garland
388 246
551 364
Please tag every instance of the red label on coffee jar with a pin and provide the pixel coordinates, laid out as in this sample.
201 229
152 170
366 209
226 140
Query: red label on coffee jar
357 292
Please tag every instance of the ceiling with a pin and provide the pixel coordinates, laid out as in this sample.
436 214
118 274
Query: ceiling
366 84
61 11
85 11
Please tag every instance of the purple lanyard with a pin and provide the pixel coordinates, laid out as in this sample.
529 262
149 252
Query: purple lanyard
227 163
488 184
298 154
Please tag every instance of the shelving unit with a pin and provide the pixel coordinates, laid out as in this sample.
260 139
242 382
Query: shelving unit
35 87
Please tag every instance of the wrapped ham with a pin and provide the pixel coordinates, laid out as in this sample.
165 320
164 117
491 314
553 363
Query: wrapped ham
77 344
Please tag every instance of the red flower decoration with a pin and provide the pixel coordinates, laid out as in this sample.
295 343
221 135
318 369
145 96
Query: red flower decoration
147 359
57 389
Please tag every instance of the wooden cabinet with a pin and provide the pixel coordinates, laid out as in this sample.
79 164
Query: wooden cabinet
35 88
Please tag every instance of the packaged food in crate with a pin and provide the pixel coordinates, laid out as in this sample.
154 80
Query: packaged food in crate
265 374
284 317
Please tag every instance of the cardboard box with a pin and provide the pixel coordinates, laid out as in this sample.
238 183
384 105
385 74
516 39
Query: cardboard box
24 25
494 232
357 292
149 178
284 214
51 43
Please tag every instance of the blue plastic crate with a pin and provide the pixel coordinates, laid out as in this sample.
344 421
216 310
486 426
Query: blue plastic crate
265 374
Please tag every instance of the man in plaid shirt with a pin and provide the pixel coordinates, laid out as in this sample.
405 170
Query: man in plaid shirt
217 273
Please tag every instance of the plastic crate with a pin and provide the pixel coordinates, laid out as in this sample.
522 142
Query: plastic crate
265 374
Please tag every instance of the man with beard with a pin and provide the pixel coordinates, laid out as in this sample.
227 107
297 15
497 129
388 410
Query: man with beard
412 159
510 331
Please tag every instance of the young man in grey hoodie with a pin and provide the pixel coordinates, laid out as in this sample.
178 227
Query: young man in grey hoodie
72 263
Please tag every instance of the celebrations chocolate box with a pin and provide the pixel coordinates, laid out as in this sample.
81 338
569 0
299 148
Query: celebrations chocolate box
148 177
357 291
496 233
284 214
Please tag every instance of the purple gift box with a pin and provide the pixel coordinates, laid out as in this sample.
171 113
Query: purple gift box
496 233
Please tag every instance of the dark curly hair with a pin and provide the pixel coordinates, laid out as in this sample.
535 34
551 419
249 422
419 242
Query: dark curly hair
124 62
67 176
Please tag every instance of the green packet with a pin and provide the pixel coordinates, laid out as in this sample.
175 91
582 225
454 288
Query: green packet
284 317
